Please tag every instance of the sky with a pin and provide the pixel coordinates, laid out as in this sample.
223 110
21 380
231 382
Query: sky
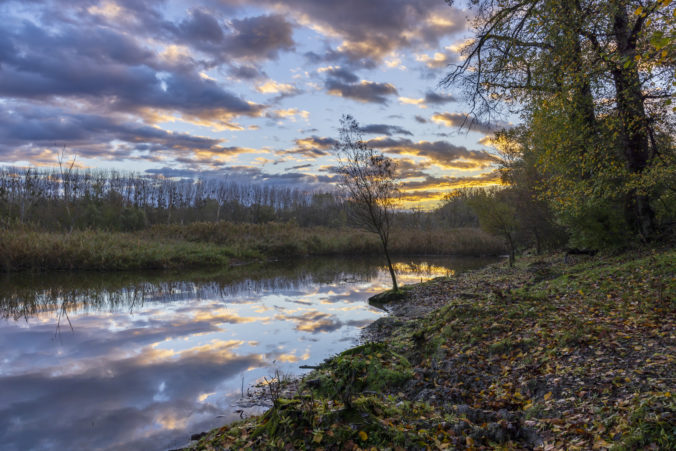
252 91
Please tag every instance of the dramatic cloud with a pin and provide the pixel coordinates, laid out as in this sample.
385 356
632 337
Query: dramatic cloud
108 70
448 182
240 88
370 31
251 38
441 152
176 365
27 129
364 91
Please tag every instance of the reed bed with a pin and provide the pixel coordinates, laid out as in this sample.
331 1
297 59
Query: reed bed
218 244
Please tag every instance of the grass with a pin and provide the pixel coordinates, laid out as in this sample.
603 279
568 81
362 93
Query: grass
288 240
95 250
215 244
581 360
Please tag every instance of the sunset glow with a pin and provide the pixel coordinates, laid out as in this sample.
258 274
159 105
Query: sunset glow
238 89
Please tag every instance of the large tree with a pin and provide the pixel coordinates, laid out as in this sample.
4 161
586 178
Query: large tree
593 80
370 181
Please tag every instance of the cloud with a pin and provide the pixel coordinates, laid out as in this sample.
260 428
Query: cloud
364 91
313 321
446 182
109 79
384 129
312 146
259 37
108 71
407 168
437 60
252 38
371 31
289 113
463 120
245 72
339 73
420 119
431 98
488 140
412 101
440 152
26 130
273 87
201 26
247 175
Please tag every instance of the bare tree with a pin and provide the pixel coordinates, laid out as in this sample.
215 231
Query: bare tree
370 181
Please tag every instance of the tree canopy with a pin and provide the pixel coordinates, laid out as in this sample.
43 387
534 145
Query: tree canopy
593 82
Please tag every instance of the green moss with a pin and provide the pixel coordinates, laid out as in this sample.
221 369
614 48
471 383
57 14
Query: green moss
651 423
370 367
388 296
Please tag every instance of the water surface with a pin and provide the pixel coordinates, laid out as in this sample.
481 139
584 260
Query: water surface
142 361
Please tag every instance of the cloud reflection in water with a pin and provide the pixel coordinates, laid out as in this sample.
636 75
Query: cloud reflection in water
152 359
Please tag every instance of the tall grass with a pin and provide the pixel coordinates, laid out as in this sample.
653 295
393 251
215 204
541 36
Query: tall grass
217 244
288 240
96 250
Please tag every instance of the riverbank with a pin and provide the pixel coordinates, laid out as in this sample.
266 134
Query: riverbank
201 245
546 354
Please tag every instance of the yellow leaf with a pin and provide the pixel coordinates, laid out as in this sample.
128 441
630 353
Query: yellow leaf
548 395
363 435
318 437
639 11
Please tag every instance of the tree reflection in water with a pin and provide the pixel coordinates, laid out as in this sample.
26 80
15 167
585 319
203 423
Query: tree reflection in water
155 357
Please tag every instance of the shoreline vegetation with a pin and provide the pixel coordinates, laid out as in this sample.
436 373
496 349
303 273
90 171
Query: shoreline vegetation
222 244
551 353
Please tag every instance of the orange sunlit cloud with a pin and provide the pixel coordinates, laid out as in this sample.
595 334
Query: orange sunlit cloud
249 89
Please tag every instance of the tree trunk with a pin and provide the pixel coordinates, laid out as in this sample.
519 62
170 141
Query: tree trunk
395 287
634 122
512 253
582 112
538 246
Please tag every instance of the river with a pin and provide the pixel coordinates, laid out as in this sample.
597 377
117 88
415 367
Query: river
141 361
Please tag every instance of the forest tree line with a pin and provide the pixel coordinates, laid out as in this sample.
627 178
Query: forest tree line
59 200
56 200
96 199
